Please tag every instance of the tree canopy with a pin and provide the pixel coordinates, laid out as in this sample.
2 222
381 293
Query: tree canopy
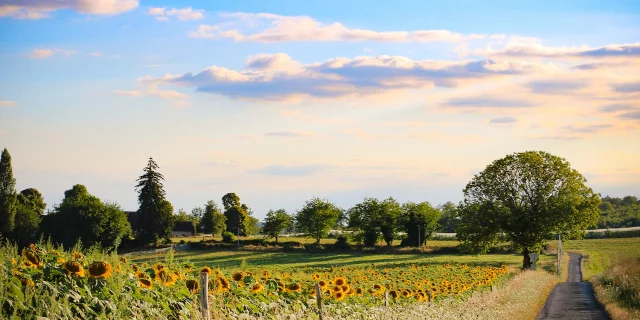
419 221
619 212
237 215
82 216
276 222
213 220
156 220
529 197
317 217
29 207
8 200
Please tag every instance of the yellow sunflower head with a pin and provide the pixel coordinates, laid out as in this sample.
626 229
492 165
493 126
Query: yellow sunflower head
100 269
73 268
340 281
123 259
323 284
77 255
294 287
339 295
145 283
238 276
31 259
257 288
192 285
205 269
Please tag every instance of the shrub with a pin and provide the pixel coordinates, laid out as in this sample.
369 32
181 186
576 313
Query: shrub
228 237
342 244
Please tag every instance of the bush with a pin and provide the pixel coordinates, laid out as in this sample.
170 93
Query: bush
228 237
342 244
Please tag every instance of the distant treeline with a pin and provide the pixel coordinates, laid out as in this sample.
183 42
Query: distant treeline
619 212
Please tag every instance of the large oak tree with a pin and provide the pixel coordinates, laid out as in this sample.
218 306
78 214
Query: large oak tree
527 197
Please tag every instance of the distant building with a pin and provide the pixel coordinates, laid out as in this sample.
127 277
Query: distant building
181 229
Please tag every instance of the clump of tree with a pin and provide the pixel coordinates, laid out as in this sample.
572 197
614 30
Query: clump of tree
155 215
29 208
276 223
619 212
83 217
374 219
419 221
213 220
239 219
317 217
449 218
8 199
528 197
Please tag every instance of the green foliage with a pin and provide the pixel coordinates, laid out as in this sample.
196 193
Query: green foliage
237 215
8 201
373 218
419 221
228 237
213 221
276 222
448 220
619 212
317 217
528 196
182 216
156 218
84 217
27 220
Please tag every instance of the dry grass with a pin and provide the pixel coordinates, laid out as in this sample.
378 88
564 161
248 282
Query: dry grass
618 288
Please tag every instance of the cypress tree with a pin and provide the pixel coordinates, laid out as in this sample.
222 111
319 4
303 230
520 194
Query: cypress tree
155 213
8 205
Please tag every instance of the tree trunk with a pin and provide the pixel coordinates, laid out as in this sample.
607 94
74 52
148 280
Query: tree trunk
276 239
526 262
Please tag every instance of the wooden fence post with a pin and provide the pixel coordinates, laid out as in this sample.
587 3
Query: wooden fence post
319 298
204 295
386 298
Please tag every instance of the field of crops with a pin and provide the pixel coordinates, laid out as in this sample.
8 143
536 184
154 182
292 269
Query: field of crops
49 282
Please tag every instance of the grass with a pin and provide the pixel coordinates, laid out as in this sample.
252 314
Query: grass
599 254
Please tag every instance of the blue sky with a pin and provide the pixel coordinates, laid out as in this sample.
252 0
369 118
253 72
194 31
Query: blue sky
280 101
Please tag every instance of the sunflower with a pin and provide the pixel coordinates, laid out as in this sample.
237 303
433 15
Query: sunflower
123 259
192 285
134 267
340 295
99 269
73 267
205 269
394 294
340 281
141 275
31 259
322 284
224 283
158 266
336 289
345 288
77 255
315 276
359 291
165 277
27 282
238 276
145 283
294 287
13 261
257 288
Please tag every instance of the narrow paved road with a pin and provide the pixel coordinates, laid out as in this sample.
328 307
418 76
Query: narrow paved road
573 299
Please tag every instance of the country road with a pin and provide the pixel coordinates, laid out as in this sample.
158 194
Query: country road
573 300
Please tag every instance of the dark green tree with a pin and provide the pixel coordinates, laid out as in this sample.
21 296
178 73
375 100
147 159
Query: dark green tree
390 213
529 197
156 221
213 220
364 217
8 200
253 226
82 216
276 222
317 217
196 218
419 221
237 214
30 206
448 220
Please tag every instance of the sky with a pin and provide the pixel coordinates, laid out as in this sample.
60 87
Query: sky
282 101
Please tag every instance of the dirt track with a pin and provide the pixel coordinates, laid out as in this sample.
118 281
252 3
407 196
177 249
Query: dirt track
573 300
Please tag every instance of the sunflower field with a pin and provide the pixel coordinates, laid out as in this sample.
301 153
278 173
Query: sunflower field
43 281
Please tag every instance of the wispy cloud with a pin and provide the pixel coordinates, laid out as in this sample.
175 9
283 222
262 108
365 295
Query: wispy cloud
278 76
537 50
39 9
627 87
291 170
162 14
43 53
503 120
490 102
290 134
551 86
6 103
271 28
616 107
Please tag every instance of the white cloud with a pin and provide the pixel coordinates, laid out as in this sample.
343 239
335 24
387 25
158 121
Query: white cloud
277 28
38 9
278 76
290 134
532 48
96 54
46 53
181 14
150 88
131 93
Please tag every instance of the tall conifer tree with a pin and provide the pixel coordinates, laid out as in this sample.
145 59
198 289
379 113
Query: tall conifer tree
8 198
156 220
